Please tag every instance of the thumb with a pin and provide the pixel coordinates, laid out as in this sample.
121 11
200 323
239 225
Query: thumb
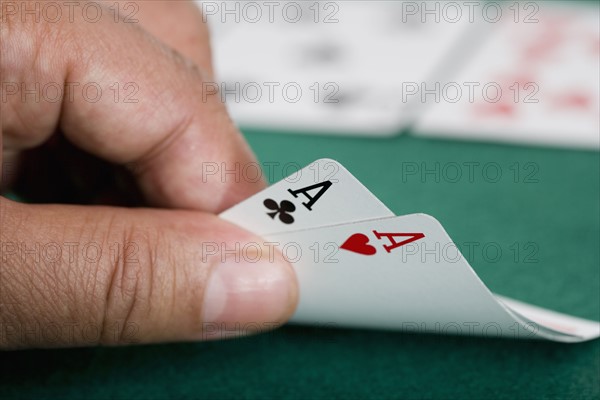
79 276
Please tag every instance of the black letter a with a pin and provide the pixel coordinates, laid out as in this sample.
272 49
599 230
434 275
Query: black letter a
312 200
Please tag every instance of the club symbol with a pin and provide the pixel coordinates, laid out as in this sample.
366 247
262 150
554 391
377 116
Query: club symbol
283 209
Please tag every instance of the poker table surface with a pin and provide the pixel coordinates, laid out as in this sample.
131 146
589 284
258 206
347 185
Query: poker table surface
538 206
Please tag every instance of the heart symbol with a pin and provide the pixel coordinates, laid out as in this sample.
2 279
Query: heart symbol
359 243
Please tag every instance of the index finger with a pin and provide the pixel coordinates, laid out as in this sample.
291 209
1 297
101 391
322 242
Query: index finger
129 99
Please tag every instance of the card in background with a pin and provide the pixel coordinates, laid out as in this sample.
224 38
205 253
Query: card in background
546 66
341 70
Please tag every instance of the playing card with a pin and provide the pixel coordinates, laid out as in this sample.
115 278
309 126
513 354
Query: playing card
323 193
405 273
535 81
326 67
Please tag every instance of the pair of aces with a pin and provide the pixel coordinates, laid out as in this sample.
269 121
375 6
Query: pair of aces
320 195
358 265
284 215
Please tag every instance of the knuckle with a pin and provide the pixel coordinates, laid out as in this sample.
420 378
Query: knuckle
128 285
93 291
25 299
30 52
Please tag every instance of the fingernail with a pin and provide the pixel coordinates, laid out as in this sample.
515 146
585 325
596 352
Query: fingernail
248 293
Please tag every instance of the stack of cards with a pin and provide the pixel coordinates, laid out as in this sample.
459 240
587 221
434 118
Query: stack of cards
360 266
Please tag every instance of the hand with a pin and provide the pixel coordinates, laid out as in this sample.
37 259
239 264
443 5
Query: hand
81 274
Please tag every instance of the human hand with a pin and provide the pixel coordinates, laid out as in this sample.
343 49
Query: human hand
75 275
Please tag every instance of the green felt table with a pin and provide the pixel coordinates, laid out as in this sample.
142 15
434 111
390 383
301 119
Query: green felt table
549 211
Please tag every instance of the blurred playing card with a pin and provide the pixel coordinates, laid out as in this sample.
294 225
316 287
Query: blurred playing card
326 67
536 81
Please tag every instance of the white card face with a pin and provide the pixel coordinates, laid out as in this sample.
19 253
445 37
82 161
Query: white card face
321 194
405 273
340 68
546 67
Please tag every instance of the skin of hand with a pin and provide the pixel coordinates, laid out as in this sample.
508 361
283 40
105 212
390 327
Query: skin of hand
81 275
